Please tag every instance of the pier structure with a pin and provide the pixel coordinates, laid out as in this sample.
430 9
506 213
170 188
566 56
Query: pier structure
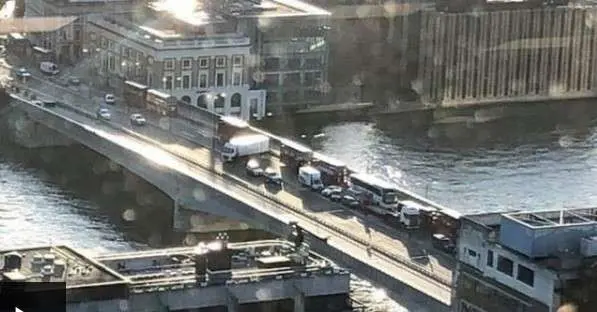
507 56
214 276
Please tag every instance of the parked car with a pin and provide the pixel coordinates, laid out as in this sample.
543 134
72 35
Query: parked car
138 120
49 103
332 189
103 113
350 202
273 177
254 168
38 103
110 99
443 243
23 73
74 81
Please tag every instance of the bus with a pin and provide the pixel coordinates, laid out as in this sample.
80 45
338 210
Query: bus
161 103
334 172
134 94
381 193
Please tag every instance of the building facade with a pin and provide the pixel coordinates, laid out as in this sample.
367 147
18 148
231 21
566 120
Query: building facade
209 71
507 55
242 46
67 43
525 261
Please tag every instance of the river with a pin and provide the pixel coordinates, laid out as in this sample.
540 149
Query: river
551 164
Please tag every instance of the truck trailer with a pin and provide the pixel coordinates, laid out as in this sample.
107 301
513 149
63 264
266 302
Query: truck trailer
247 145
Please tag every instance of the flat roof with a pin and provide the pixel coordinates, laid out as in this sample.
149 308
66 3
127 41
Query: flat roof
34 24
193 11
555 218
79 270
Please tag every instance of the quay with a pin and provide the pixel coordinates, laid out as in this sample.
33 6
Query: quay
212 276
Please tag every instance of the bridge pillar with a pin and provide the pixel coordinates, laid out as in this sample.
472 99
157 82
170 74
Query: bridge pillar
299 300
232 303
31 134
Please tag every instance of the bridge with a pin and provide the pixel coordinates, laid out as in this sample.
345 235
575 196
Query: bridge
175 155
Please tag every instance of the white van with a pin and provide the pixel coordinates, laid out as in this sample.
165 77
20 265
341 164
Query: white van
49 68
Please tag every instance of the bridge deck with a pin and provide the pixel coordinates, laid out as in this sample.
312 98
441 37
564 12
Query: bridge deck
367 228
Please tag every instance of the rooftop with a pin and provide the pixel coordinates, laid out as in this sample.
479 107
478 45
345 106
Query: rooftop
555 218
34 24
195 11
67 264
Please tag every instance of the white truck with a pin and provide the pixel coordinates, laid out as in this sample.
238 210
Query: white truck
246 145
310 177
409 215
49 68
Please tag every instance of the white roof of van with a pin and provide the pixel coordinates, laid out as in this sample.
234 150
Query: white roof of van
309 169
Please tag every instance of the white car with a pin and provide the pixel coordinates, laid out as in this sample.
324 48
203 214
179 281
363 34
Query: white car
138 120
254 168
332 189
110 99
104 113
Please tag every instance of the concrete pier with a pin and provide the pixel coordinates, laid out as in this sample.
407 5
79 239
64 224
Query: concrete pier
521 55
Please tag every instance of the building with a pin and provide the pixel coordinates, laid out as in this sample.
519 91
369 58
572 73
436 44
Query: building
67 43
527 261
217 276
211 53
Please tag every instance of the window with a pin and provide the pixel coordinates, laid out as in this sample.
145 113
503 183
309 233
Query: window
168 83
77 35
186 82
237 78
111 44
505 265
311 78
103 42
203 80
220 79
294 63
526 275
168 64
293 79
204 62
221 61
219 101
271 63
490 258
186 64
235 100
237 61
312 63
112 62
272 80
472 253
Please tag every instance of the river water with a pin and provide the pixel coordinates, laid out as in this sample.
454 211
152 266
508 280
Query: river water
519 164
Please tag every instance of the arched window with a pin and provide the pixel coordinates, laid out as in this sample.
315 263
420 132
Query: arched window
203 100
220 101
235 100
186 99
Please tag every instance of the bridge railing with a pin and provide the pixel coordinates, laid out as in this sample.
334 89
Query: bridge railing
272 199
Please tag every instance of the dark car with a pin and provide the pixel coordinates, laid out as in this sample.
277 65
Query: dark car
272 177
49 103
350 202
22 73
443 243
